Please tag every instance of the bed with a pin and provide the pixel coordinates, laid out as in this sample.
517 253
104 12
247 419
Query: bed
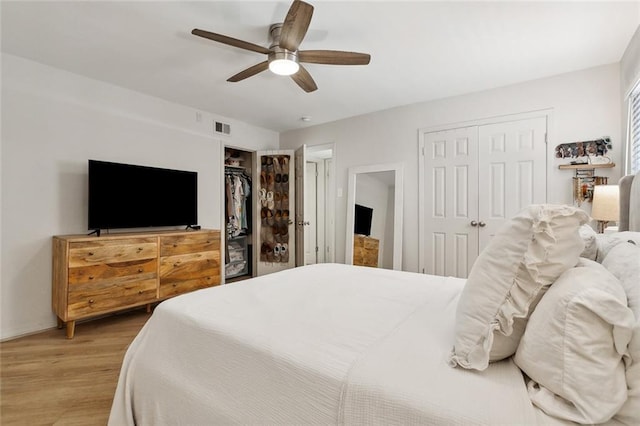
327 344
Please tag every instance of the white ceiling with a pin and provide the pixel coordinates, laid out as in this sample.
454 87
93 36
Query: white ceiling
419 50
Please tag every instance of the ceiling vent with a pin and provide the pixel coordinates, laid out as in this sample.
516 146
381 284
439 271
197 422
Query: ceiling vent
222 128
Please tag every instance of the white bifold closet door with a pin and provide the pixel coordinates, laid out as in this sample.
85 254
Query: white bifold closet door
473 179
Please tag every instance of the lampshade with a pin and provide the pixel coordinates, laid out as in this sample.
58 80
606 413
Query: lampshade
606 205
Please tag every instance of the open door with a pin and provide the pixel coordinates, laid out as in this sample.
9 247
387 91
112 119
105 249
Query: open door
300 165
276 203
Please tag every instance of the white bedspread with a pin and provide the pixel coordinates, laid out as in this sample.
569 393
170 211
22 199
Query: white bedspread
329 344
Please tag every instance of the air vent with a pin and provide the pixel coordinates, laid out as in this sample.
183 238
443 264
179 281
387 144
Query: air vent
223 128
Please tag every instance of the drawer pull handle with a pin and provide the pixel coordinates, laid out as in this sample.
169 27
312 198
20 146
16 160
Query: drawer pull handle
139 291
91 301
175 265
139 270
175 245
208 242
90 277
140 249
175 285
90 253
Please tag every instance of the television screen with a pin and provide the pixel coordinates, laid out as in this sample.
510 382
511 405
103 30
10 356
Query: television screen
362 220
130 196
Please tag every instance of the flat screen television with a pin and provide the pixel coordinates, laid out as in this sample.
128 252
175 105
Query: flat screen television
132 196
362 220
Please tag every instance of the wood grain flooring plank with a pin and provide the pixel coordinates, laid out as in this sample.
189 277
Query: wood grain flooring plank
46 379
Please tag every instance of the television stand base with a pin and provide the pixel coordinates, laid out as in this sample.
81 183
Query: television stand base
95 231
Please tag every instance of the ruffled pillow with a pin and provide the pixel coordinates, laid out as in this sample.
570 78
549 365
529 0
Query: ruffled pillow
509 277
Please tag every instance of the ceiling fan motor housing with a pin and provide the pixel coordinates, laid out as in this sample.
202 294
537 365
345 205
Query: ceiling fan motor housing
278 52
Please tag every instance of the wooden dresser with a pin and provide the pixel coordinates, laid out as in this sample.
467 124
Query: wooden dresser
365 250
94 276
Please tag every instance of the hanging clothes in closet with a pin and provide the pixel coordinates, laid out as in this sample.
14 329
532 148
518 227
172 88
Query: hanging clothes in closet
238 202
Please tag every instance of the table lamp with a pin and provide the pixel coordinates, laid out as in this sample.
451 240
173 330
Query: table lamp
606 205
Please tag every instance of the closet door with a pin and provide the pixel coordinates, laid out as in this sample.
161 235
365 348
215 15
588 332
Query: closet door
450 201
512 171
299 225
473 179
276 201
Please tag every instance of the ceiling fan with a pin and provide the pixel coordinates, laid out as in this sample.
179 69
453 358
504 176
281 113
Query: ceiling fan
283 56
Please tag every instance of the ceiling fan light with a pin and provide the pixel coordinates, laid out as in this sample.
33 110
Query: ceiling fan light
283 66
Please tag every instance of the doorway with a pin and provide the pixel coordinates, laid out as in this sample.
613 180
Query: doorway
316 222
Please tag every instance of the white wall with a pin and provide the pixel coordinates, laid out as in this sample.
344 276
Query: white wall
586 105
630 64
629 77
52 123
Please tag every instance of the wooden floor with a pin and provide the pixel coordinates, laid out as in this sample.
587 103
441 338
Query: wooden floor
49 380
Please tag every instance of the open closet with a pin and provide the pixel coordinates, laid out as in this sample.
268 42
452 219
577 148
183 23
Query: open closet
259 207
239 211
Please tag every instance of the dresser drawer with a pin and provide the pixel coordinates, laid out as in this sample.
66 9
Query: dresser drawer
95 252
370 244
172 245
102 297
174 288
110 271
359 253
189 266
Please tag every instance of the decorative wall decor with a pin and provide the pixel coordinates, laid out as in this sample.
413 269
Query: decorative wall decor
586 152
274 208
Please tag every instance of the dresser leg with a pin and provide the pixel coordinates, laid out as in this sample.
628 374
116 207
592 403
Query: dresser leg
71 329
60 323
148 308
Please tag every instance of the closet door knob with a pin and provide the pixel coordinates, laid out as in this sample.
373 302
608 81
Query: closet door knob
482 224
474 223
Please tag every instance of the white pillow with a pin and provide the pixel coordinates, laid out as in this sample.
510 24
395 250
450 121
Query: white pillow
590 245
623 261
574 345
606 242
629 414
509 277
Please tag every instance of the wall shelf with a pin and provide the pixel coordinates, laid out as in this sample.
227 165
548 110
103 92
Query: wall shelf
585 179
586 166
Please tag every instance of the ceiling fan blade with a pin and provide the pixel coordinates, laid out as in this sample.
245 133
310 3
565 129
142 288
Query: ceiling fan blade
251 71
333 57
295 25
230 41
304 80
